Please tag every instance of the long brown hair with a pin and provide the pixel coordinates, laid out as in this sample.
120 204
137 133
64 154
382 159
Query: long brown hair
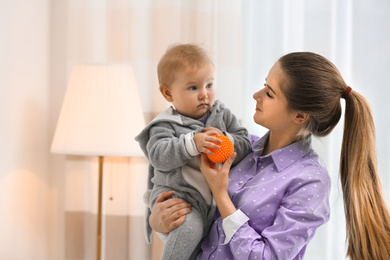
312 84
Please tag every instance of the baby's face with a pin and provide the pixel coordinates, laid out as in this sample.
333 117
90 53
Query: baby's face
192 93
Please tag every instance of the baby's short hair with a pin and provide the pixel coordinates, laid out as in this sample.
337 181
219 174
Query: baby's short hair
177 57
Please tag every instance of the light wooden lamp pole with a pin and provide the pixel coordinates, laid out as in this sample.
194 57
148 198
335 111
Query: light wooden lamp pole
100 116
99 213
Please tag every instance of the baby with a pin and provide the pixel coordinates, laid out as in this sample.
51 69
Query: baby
174 139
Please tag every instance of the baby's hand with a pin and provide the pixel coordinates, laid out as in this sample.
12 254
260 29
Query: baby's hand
207 139
212 131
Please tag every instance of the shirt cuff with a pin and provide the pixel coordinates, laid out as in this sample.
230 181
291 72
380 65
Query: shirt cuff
190 144
232 223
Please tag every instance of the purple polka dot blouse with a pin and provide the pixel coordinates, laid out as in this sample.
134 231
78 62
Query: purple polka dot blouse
281 199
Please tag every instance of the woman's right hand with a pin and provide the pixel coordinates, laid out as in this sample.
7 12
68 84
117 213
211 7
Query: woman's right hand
167 214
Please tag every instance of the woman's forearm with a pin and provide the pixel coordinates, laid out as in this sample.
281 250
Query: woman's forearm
224 204
218 180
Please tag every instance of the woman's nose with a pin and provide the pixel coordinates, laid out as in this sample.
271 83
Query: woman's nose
257 95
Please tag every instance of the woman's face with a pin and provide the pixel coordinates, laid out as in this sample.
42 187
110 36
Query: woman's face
271 104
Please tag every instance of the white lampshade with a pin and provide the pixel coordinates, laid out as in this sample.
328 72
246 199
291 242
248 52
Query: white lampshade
101 113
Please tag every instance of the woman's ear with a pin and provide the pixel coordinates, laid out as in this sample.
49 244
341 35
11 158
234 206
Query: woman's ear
301 117
166 92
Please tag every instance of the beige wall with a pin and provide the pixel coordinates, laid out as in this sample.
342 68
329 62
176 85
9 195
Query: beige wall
25 181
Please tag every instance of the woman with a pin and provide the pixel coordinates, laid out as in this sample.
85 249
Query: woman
271 203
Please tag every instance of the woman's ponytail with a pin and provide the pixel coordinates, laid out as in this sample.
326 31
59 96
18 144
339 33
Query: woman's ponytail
367 215
313 84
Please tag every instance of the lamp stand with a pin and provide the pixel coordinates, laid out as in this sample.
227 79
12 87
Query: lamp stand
99 215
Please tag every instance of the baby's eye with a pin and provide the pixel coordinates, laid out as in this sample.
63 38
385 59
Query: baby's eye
209 85
192 88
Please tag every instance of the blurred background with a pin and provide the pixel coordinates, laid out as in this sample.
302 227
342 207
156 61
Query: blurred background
48 202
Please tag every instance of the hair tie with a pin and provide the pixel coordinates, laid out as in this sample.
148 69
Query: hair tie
346 93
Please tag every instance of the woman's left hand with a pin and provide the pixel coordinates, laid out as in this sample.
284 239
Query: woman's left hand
217 178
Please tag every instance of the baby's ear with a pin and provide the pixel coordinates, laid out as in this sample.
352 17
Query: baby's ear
166 92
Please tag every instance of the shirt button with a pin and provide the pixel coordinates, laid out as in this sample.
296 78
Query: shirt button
240 182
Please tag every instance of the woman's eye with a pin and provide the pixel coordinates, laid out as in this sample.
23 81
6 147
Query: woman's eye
268 94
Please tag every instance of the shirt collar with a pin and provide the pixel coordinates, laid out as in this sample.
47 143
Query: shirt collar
285 157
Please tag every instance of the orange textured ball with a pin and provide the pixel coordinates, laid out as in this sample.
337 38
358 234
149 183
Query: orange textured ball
225 150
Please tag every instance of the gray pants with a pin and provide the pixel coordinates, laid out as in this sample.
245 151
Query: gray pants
184 241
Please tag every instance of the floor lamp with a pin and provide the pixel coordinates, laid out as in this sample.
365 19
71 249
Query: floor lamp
100 116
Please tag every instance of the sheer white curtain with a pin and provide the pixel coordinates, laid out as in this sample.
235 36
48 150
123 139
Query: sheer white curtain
137 32
352 34
140 31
